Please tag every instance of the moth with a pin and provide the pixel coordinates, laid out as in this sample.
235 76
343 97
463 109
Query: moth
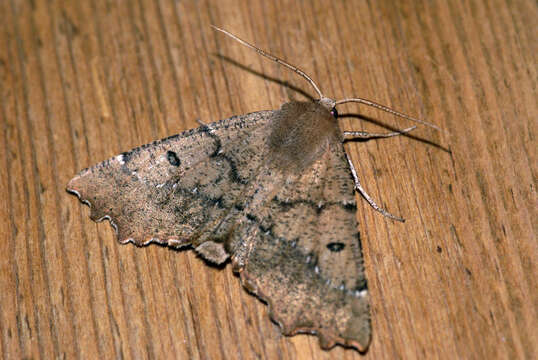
272 192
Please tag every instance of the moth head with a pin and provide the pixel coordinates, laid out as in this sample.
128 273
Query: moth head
328 104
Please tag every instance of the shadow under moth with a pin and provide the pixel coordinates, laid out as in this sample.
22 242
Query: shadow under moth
272 191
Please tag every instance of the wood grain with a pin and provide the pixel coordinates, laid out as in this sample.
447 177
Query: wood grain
81 81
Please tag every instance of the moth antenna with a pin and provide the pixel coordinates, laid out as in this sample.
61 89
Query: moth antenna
386 109
274 58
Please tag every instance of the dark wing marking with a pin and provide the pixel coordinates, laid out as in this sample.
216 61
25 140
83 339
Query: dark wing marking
300 251
169 190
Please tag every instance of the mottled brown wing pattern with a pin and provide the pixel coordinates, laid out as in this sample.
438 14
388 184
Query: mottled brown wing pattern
168 191
290 229
303 253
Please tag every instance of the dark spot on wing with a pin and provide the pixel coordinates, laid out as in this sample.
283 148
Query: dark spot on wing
172 158
126 156
251 217
336 246
239 207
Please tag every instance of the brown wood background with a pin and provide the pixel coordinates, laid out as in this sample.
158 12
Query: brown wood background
81 81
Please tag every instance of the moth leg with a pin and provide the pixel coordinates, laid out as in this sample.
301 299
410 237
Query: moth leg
351 135
365 195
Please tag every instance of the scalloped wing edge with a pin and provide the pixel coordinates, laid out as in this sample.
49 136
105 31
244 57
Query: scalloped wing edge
173 242
326 341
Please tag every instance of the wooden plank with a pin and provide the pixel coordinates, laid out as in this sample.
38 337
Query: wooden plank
84 81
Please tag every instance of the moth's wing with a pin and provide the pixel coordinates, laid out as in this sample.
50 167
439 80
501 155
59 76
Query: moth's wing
169 191
304 257
294 240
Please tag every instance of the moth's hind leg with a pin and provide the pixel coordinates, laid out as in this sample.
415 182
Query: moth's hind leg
362 135
365 195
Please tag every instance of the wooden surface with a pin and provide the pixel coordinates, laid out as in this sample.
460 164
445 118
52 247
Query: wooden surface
81 81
